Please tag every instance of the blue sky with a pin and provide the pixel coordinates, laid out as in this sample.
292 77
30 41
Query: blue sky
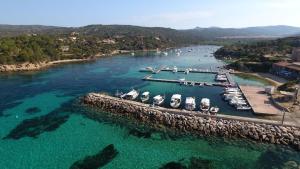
180 14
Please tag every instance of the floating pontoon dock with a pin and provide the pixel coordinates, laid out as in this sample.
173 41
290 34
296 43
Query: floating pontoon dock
196 83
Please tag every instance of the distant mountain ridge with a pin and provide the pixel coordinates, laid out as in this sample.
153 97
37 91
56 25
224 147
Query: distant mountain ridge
262 31
196 34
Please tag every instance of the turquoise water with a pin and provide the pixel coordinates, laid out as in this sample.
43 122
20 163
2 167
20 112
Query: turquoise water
41 125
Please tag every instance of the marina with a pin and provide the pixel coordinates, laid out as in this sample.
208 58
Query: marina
82 133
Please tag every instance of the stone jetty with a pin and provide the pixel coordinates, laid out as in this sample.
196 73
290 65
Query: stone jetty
198 123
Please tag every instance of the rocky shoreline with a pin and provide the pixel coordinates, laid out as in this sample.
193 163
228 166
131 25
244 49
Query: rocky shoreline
196 123
36 66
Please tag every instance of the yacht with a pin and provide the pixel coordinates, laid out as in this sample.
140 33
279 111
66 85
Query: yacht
205 104
145 96
158 100
175 100
190 103
132 95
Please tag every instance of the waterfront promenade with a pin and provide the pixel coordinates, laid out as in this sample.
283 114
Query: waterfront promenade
259 101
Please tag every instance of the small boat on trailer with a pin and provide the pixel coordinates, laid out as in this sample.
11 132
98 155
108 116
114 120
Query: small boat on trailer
132 95
158 100
175 101
205 104
190 103
145 96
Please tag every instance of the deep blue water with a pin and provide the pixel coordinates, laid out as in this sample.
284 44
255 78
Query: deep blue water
41 125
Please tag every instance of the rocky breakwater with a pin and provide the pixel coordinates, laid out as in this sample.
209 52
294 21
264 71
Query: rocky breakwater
197 123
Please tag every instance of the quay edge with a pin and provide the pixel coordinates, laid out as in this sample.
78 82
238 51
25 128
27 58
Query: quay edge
198 123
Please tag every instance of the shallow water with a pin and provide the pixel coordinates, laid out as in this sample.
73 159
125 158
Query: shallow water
58 133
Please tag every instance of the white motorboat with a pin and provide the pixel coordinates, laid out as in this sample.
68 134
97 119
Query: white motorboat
190 103
237 101
205 104
232 95
175 69
221 78
187 71
182 79
231 89
214 110
158 100
132 53
132 95
145 96
165 53
175 100
243 108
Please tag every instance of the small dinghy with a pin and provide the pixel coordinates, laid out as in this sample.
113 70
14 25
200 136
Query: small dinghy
214 110
145 96
158 100
175 101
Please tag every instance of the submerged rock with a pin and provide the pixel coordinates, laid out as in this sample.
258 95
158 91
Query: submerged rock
33 110
96 161
173 165
35 126
193 163
140 134
199 163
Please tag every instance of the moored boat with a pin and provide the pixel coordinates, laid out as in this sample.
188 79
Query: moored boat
187 71
243 108
132 95
175 100
190 103
205 104
145 96
175 69
214 110
158 100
